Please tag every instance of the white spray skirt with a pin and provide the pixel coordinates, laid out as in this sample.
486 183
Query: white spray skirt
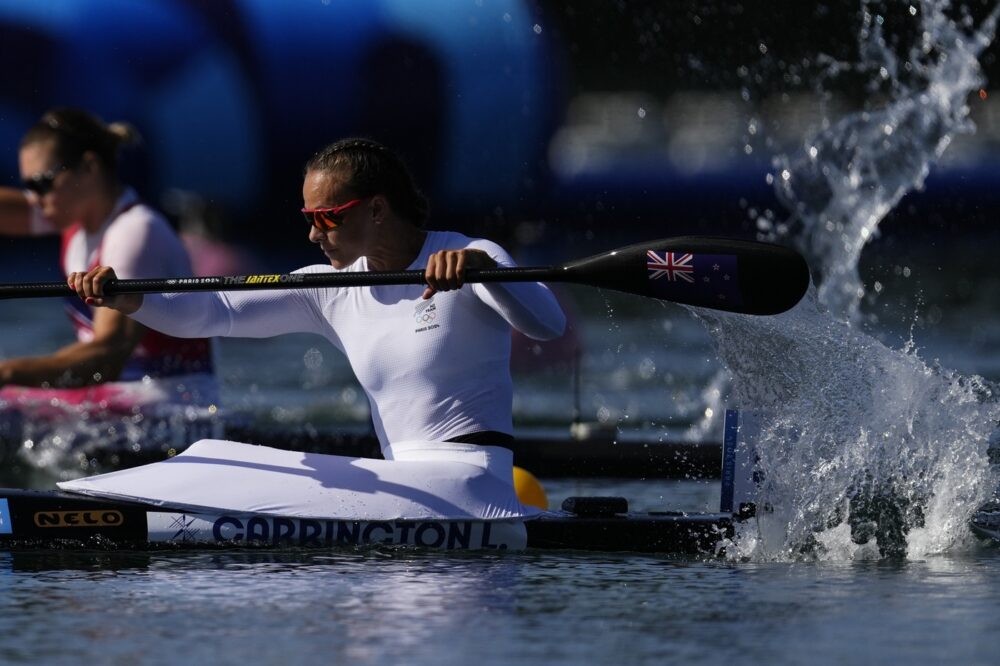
420 480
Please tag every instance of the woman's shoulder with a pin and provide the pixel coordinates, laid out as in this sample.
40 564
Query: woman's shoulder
316 268
138 216
453 240
357 266
139 239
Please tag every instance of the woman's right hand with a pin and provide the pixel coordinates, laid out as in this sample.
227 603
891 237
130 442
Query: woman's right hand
90 287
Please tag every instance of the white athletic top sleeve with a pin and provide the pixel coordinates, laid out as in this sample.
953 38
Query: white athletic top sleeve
432 370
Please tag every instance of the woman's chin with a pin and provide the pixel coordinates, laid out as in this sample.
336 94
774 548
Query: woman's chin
336 259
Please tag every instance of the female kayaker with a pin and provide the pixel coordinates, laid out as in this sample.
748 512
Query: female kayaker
69 170
433 361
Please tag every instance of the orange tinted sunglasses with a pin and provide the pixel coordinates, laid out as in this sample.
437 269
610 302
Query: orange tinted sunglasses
325 219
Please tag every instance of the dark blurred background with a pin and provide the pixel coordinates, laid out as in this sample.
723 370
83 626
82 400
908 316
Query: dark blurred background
555 128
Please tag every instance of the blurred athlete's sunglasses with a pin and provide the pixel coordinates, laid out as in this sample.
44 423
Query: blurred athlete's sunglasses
42 183
325 219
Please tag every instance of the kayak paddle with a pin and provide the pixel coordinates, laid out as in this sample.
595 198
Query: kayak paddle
722 274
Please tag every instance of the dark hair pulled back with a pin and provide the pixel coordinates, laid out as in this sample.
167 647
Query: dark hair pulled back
75 132
369 168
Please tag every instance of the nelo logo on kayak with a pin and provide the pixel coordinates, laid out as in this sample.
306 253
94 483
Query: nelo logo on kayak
92 518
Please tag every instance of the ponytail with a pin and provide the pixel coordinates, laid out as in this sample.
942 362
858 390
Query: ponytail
75 132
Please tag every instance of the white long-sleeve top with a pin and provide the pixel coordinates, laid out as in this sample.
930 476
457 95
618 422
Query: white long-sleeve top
432 369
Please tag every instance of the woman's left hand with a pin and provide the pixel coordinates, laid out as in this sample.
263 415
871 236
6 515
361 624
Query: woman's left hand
446 269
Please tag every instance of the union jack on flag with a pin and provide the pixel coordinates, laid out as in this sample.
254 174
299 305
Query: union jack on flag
673 265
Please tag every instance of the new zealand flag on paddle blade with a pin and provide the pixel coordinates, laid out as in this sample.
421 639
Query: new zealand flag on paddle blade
696 279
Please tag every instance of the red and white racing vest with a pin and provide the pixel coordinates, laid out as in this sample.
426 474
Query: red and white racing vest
131 223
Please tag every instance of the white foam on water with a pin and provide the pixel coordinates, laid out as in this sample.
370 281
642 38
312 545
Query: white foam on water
869 452
67 441
854 423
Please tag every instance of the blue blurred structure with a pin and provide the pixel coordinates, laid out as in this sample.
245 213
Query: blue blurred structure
232 96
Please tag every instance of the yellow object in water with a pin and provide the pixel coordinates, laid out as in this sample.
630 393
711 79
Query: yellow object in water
529 490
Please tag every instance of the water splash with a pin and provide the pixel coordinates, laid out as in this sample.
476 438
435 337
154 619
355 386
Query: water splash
866 444
870 451
850 175
58 441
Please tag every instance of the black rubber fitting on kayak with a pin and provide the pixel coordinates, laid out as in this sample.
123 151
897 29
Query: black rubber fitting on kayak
595 506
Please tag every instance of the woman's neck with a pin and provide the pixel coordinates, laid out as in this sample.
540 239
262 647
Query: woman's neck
399 246
104 204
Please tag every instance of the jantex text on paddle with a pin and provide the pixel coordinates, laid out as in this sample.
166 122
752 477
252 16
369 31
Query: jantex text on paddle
240 279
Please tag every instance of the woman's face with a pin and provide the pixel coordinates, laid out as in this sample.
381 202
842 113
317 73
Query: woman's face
354 236
61 190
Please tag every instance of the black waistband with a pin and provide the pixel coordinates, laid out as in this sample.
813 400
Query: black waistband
484 437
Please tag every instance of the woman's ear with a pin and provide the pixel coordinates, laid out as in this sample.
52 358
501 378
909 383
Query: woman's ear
90 162
378 208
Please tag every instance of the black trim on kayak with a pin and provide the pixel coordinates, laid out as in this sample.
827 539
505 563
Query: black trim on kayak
602 454
659 532
52 519
599 455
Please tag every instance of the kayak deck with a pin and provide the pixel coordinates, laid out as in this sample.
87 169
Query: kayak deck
54 519
171 516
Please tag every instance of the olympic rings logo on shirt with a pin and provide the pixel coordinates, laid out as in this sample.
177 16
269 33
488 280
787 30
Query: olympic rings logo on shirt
425 312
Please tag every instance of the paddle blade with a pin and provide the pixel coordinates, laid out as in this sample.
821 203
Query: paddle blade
722 274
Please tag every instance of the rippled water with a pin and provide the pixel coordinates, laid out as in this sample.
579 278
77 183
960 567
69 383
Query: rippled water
375 607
